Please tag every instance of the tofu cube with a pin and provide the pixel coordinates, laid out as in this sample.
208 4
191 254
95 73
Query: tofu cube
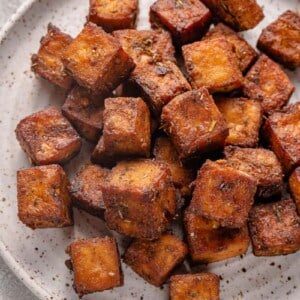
275 228
202 286
126 131
294 187
139 186
182 176
267 83
211 63
239 14
155 260
187 20
261 164
243 118
96 265
86 189
210 243
146 45
245 53
47 63
223 194
194 124
282 131
47 137
43 197
281 39
97 61
113 14
85 113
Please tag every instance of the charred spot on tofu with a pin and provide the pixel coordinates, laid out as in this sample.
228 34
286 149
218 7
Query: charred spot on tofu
275 228
154 260
43 197
96 265
47 137
139 186
126 131
187 20
113 14
267 83
47 63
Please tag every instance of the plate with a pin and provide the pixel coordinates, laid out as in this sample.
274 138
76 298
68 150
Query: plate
38 257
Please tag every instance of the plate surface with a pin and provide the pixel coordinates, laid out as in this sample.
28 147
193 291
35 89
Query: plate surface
37 257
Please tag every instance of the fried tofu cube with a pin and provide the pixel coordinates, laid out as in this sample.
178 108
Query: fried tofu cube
113 14
187 20
275 228
243 118
282 131
139 186
155 260
182 176
245 53
194 124
223 194
211 63
97 61
201 286
268 83
85 113
210 243
86 189
43 197
96 265
238 14
261 164
146 45
294 187
47 63
281 39
47 137
126 131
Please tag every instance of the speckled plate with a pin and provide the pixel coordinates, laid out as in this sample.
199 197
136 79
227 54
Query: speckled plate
37 257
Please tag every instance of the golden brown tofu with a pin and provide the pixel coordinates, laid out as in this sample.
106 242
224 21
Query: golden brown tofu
223 194
182 177
282 131
47 63
194 124
146 45
155 260
97 61
243 118
275 228
96 265
201 286
113 14
267 83
211 63
126 131
210 243
47 137
281 39
85 112
294 187
245 53
187 20
86 189
157 83
139 197
43 197
261 164
238 14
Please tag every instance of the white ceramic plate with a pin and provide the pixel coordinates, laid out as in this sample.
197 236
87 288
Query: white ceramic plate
37 257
